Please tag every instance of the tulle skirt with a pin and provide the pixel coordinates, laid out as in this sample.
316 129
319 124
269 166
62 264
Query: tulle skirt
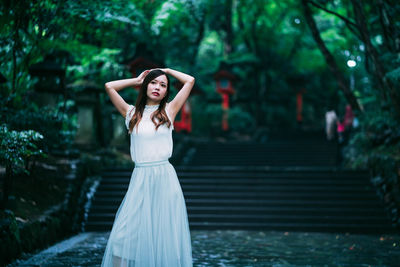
151 225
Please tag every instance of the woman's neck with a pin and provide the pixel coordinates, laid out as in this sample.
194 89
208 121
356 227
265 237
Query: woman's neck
152 103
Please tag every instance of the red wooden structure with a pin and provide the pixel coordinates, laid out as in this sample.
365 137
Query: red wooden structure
299 106
185 122
224 86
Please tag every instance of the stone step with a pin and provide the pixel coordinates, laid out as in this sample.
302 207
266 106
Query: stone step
285 218
273 202
295 226
279 152
290 226
328 170
267 147
251 171
225 170
282 175
294 174
310 151
368 189
266 185
228 175
287 182
342 211
261 162
267 189
259 195
283 203
278 185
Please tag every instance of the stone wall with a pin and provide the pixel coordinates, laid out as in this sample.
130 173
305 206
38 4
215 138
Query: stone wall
18 239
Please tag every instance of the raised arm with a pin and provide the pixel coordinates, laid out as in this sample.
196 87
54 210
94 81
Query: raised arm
188 81
113 87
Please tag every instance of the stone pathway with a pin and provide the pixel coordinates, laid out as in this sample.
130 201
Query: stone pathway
245 248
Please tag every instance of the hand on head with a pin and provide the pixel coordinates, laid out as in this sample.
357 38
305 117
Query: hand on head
143 75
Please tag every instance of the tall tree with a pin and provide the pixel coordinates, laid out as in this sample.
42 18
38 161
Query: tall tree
227 27
330 60
379 71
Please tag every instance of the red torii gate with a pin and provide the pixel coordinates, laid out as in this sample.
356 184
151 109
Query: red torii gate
185 122
224 86
298 83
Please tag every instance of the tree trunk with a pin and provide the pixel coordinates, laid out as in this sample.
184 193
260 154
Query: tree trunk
6 186
379 70
386 26
199 17
228 40
329 58
242 28
14 60
262 94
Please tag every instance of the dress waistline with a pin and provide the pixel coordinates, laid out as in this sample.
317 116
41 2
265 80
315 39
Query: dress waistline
151 163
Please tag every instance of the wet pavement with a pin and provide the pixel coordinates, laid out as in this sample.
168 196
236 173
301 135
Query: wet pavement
245 248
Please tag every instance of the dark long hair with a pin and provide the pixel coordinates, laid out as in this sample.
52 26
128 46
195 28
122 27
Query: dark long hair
160 113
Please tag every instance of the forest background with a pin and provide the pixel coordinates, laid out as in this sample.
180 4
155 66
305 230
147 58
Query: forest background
333 52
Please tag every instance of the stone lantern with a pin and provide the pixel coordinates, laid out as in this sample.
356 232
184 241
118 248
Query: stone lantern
51 74
90 116
120 137
224 86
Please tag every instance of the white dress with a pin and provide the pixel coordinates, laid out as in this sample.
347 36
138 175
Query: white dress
151 226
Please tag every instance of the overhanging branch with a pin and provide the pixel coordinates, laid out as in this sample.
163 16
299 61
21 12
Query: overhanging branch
353 27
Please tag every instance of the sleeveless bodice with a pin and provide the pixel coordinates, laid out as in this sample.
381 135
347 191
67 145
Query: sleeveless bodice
147 144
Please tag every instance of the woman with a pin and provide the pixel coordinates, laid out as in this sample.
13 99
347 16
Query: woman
151 226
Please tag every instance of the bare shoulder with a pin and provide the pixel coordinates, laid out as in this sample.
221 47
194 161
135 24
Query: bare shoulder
128 110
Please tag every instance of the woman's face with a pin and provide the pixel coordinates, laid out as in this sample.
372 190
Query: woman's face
157 89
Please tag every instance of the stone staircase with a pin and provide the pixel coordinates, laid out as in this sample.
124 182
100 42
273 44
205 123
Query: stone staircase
279 153
286 184
287 199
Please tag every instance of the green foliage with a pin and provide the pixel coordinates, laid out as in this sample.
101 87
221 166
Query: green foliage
241 121
17 146
10 237
394 75
57 126
379 134
210 52
212 112
9 225
270 42
375 145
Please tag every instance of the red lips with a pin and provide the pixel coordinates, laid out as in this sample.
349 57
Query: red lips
156 94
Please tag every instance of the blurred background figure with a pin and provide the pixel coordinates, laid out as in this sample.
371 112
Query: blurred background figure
348 117
340 131
347 123
330 122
